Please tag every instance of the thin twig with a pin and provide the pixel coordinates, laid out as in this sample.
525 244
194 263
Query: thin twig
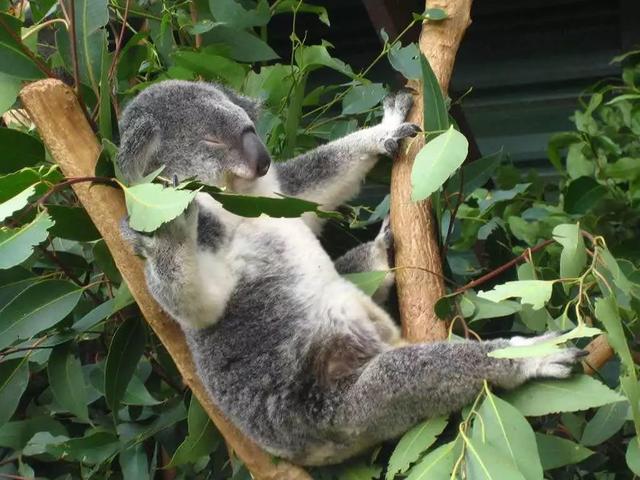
119 40
74 46
39 63
494 273
452 216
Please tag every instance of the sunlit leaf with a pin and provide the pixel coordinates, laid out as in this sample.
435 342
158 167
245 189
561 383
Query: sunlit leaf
436 118
485 462
533 292
542 397
150 205
504 428
573 258
362 98
438 464
436 162
368 282
16 244
14 57
406 60
413 443
16 203
633 455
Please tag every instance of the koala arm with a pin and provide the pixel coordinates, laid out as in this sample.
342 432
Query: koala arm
332 173
371 256
402 386
179 272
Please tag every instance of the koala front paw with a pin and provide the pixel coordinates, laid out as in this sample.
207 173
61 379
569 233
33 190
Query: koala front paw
392 142
554 365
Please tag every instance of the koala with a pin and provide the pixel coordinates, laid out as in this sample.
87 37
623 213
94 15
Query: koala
297 357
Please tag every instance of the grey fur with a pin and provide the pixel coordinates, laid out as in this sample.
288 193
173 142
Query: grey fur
296 356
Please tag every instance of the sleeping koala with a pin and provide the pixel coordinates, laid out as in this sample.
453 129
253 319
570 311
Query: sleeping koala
297 357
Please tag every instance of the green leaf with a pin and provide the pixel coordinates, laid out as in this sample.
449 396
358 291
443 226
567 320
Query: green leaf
413 443
66 381
624 169
150 205
406 60
94 448
362 98
235 15
557 452
125 350
19 150
573 258
533 292
203 437
16 203
632 455
14 60
14 377
484 462
607 421
582 195
9 89
495 196
436 465
72 223
542 397
15 435
368 282
436 118
504 428
16 244
359 471
316 56
289 5
37 308
134 463
90 18
435 14
436 162
211 67
96 315
484 308
244 46
608 314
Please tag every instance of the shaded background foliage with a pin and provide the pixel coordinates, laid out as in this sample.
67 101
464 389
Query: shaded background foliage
87 391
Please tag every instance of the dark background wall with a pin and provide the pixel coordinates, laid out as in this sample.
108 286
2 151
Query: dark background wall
526 60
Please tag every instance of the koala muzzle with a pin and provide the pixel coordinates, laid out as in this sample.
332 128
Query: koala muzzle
256 154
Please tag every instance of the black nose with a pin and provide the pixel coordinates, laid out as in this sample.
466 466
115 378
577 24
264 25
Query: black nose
255 153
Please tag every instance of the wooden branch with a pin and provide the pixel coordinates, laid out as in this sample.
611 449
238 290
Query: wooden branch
413 224
55 110
600 352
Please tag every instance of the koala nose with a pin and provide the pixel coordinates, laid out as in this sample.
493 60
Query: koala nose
255 153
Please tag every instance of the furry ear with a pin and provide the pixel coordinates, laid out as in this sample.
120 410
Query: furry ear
252 106
139 140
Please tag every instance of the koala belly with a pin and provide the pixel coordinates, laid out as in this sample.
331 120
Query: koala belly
292 331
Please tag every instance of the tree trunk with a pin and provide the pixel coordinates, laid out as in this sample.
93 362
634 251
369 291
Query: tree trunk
54 109
419 275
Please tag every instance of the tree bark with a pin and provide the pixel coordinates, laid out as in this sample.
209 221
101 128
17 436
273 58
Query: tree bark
55 110
419 274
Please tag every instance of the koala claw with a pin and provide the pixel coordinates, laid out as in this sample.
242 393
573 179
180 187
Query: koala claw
554 365
391 146
385 236
397 106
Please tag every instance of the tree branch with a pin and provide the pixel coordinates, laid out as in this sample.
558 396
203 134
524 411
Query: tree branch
413 224
54 109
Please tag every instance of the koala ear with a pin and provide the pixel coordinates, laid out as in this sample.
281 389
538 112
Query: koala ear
252 106
139 140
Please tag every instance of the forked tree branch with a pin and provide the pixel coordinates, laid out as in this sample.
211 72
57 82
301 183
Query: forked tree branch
413 224
55 110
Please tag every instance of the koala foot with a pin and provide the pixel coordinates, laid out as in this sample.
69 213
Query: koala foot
555 365
396 106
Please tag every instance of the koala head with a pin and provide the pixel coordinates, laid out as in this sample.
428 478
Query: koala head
194 129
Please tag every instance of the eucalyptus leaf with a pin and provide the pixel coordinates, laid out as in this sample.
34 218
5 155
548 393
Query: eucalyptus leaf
413 443
437 464
436 162
202 439
362 98
66 381
19 150
37 308
150 205
556 452
573 258
368 282
580 392
436 118
125 350
14 377
504 428
607 421
16 203
16 244
485 462
533 292
632 455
